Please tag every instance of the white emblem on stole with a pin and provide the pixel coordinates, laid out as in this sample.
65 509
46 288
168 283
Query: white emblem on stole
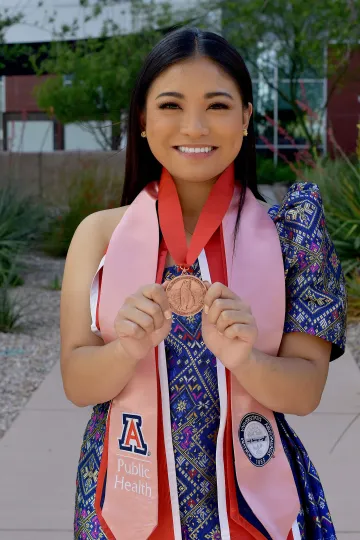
257 439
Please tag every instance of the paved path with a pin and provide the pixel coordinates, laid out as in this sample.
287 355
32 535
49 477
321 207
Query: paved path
39 454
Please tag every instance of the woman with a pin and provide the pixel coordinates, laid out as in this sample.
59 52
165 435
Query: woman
208 311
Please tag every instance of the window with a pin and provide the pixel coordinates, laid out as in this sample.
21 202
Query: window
278 129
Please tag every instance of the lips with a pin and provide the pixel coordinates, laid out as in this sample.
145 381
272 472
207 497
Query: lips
195 147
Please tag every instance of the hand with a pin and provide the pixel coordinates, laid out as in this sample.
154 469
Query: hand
143 321
229 329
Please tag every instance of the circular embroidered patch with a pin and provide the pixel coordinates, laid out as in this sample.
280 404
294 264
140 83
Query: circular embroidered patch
257 438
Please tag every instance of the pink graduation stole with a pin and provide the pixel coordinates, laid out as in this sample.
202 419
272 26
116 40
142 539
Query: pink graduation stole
138 442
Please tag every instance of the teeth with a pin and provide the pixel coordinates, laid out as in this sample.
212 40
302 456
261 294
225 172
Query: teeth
187 150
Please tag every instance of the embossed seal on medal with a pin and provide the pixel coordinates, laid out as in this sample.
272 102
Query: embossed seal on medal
257 438
186 295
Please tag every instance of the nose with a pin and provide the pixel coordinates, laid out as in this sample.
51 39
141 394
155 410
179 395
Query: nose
194 127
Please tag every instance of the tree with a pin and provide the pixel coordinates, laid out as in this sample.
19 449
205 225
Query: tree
7 20
292 40
93 79
92 82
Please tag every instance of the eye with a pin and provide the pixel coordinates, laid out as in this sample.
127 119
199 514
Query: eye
219 106
168 105
173 105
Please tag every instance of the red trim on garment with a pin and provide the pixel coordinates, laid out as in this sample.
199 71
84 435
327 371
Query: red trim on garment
239 527
104 456
165 527
101 481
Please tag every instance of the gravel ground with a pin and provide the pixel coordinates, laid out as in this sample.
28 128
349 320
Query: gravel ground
28 355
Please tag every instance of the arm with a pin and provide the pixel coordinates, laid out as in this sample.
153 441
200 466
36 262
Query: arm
293 381
91 371
96 374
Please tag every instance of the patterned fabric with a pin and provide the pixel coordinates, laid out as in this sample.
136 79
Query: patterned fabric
314 520
195 418
316 304
86 523
315 284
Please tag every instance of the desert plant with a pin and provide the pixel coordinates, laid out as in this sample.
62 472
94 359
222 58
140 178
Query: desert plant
86 194
11 308
339 183
21 223
10 314
55 284
353 289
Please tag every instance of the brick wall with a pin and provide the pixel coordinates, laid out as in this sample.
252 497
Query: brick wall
19 93
344 107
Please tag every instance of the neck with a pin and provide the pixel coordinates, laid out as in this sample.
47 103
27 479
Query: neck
192 197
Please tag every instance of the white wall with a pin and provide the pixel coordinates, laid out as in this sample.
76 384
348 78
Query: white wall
77 137
34 136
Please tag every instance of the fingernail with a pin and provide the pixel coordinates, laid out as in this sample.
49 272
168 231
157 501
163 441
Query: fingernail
168 314
206 309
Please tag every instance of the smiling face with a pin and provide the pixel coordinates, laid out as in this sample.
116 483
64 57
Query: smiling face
194 120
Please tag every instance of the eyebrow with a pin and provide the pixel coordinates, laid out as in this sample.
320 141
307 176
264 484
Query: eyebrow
209 95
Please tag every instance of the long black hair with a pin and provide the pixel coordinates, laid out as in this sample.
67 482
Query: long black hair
141 165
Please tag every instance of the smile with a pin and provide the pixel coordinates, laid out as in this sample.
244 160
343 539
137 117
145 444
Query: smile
188 151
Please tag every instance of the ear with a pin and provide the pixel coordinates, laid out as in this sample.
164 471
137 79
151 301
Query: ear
247 115
142 121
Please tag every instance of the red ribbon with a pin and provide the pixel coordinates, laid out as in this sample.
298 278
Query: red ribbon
171 218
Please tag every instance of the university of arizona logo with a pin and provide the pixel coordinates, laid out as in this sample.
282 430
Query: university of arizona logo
257 438
132 439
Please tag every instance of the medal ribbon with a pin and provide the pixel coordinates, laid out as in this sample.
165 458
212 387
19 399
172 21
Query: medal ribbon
171 218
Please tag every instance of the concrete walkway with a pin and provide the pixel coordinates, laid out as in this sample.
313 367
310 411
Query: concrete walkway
39 455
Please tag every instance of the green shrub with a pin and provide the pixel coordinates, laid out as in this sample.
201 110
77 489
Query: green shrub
269 173
353 289
86 195
55 284
22 221
339 182
11 308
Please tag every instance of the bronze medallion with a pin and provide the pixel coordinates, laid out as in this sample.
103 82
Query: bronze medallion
186 295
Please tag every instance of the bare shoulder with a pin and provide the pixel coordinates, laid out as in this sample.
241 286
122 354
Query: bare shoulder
99 226
110 220
85 252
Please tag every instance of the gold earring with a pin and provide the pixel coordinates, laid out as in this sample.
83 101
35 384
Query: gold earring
245 132
143 133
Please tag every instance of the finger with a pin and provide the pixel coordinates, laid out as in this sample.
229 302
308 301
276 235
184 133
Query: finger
140 318
217 290
231 317
245 332
149 307
219 305
129 329
157 293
